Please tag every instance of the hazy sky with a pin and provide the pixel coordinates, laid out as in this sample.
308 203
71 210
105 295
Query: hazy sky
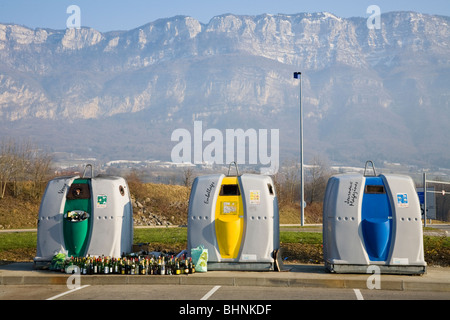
107 15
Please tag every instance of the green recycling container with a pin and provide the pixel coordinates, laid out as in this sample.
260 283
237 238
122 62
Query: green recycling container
77 218
76 236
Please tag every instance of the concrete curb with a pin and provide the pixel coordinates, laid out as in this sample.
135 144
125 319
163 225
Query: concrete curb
304 276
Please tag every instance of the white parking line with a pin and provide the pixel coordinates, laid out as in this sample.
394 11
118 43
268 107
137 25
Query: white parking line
210 293
67 292
359 296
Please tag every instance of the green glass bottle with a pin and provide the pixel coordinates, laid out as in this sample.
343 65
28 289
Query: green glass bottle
116 266
132 267
121 266
191 268
136 266
105 266
177 266
163 266
186 266
141 267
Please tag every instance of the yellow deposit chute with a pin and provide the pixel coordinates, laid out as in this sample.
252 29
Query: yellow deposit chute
229 221
236 219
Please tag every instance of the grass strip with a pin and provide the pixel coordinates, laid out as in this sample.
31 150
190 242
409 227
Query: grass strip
21 245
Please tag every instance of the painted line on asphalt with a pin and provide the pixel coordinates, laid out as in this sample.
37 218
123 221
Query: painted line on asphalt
67 292
210 293
359 295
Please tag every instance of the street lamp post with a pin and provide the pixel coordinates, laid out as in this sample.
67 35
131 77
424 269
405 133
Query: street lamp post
298 75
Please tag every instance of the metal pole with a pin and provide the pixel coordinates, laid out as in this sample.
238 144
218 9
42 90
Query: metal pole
298 75
424 199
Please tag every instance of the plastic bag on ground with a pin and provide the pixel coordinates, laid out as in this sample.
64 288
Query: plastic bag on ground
58 261
200 258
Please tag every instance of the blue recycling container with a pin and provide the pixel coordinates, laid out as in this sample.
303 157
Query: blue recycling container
372 220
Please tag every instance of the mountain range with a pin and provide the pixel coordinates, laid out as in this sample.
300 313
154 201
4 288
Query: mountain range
367 94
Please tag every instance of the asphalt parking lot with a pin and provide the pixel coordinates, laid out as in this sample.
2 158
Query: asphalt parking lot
206 292
296 282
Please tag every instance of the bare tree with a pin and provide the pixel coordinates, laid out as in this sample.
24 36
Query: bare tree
23 158
188 175
39 170
287 182
316 179
5 166
21 163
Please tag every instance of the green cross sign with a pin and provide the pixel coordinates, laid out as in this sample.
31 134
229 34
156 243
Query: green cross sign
101 200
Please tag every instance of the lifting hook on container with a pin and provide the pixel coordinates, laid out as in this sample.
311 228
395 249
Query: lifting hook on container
92 170
373 168
229 168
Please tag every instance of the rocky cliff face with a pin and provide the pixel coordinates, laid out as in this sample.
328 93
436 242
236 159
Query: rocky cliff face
363 89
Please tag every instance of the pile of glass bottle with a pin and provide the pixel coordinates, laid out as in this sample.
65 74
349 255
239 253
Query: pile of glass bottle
132 265
76 215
